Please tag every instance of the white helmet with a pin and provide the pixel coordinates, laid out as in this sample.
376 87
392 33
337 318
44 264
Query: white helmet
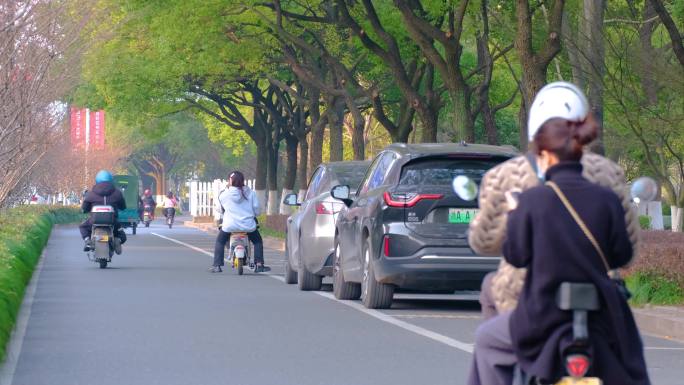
557 100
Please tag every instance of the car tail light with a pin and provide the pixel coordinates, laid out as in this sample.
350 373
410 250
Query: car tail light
328 208
577 365
386 245
407 199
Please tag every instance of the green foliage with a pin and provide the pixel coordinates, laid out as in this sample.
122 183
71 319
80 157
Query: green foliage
645 222
654 289
24 231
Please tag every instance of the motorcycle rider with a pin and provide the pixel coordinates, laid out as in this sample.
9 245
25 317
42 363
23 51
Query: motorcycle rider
240 207
500 290
147 200
103 192
542 236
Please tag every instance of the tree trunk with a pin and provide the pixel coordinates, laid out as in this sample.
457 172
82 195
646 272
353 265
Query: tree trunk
302 163
463 129
272 177
335 130
429 121
677 217
358 142
490 124
261 172
594 11
317 135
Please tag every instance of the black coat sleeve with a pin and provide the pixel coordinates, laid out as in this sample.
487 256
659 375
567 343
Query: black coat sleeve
86 206
517 248
621 250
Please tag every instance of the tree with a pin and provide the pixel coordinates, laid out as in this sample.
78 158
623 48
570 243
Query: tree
40 45
535 62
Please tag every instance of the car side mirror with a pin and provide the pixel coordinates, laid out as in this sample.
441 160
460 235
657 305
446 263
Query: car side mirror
342 192
291 200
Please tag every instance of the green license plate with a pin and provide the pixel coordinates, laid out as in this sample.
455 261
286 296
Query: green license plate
580 381
462 215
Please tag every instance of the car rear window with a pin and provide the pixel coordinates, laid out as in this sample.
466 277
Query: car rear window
350 175
441 172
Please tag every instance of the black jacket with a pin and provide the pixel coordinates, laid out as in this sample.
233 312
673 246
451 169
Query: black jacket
543 236
148 201
103 193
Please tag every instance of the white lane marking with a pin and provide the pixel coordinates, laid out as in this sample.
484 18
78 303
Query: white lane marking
185 244
375 314
447 316
460 345
16 342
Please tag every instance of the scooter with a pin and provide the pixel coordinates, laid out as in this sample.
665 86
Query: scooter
580 298
240 253
102 239
147 215
170 213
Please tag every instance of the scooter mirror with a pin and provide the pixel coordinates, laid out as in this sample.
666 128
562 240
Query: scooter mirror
465 188
644 189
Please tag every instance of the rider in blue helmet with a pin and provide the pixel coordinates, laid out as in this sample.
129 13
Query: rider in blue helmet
103 192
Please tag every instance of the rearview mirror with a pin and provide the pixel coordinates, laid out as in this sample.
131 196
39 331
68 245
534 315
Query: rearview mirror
290 200
644 189
340 192
465 188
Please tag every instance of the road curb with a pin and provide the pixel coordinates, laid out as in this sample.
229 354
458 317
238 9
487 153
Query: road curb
661 321
269 242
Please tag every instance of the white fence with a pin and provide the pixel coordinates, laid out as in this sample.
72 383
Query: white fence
203 195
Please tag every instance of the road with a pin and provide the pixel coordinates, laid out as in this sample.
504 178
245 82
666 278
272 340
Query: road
156 316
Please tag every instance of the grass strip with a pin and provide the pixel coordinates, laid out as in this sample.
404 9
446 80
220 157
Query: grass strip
24 232
649 288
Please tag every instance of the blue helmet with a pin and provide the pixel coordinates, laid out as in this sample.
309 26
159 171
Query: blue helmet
104 176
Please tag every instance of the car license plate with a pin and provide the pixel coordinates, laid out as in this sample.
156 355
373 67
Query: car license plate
462 215
580 381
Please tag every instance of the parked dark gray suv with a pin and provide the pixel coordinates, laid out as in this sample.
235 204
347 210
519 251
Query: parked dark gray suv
406 228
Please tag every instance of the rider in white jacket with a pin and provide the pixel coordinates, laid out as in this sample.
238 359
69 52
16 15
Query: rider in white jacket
239 207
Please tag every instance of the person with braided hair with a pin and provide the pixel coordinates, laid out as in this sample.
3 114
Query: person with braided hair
567 229
501 289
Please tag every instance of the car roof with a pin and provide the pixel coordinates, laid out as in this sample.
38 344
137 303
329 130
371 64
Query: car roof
360 163
427 149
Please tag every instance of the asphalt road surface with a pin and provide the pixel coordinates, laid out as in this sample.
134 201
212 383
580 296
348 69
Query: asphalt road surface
156 316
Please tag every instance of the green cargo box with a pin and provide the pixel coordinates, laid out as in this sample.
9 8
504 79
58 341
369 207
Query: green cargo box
128 184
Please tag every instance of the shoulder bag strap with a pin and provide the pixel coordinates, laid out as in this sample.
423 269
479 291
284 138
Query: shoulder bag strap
580 222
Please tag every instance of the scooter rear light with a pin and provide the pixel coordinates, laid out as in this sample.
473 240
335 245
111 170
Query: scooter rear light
577 365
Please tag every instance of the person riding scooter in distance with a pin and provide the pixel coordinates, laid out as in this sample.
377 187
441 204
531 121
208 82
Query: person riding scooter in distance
147 200
169 205
103 193
240 207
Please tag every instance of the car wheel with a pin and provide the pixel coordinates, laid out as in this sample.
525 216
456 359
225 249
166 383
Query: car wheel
290 273
341 288
308 280
374 295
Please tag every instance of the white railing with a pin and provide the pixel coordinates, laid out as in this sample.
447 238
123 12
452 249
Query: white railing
203 195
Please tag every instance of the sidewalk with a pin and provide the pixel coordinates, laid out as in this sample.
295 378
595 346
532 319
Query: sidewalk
659 321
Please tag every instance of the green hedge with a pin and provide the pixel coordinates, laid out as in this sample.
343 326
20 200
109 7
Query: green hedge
24 231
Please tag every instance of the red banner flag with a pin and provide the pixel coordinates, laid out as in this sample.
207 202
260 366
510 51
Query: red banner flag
97 130
78 127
